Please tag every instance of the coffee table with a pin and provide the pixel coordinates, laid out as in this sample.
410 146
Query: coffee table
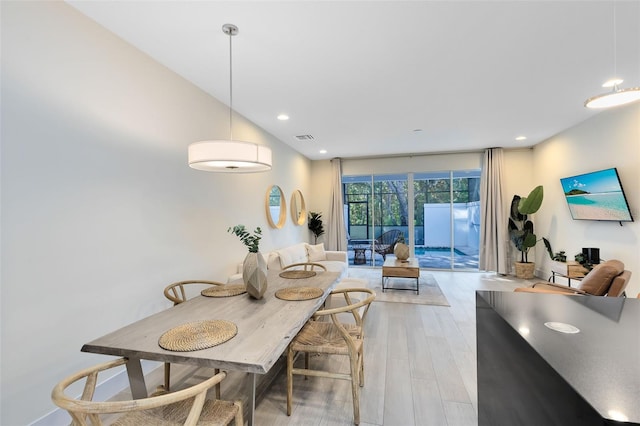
393 267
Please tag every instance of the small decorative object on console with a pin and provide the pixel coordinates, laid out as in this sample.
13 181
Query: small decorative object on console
401 250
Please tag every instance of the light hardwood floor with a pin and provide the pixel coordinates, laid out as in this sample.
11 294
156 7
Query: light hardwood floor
420 366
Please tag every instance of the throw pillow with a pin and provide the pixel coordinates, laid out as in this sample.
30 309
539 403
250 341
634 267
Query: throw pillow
316 253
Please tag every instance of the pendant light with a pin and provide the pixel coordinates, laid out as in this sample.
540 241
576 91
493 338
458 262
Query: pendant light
617 96
229 156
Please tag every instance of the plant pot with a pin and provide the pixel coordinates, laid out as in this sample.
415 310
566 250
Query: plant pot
401 251
525 270
254 274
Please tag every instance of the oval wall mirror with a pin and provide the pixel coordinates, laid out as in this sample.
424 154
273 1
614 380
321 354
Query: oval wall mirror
298 208
276 206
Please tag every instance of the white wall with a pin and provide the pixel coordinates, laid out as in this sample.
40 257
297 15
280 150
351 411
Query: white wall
99 208
609 139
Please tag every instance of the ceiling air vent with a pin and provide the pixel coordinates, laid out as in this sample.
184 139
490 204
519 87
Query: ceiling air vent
304 138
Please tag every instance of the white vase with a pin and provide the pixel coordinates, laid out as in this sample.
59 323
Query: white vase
254 274
401 251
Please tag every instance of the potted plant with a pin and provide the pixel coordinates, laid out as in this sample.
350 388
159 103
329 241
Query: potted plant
521 229
315 225
254 267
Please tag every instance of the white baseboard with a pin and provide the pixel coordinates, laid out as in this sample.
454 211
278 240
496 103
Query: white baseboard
104 391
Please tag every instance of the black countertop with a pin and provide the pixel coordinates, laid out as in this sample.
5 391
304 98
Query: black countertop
601 362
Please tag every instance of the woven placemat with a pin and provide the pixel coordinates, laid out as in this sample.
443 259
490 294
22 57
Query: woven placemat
197 335
297 274
224 290
299 293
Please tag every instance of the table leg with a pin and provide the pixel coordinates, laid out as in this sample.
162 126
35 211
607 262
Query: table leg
251 391
136 378
418 285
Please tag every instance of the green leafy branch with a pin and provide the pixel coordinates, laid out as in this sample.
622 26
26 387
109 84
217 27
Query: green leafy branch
252 241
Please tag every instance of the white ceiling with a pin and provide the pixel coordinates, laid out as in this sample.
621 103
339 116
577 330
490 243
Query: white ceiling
362 76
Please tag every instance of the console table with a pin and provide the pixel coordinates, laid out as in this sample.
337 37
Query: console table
569 270
531 374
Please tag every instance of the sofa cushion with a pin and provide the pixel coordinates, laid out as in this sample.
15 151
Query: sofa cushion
598 280
316 252
296 253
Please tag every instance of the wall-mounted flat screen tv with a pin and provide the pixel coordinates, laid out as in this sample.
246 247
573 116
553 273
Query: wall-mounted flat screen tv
596 196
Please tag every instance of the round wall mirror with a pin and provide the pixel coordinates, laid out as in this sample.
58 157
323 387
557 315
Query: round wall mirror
276 207
298 208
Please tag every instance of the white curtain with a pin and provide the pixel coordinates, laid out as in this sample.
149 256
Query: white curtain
336 233
493 223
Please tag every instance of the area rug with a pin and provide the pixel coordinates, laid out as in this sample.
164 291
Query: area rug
430 293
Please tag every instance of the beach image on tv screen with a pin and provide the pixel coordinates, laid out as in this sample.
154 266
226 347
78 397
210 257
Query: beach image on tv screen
596 196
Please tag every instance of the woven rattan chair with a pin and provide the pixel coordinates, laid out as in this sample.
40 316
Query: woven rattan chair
385 243
184 407
177 293
335 338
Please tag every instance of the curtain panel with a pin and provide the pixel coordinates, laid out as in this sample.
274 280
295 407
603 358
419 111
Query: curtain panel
493 226
336 233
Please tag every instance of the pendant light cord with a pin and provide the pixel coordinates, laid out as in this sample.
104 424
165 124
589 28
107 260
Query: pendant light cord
230 87
615 45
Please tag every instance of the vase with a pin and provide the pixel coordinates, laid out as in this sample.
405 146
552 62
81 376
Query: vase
254 274
401 251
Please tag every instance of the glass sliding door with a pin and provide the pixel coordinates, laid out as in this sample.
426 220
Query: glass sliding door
433 218
391 209
438 213
465 186
358 215
373 206
447 219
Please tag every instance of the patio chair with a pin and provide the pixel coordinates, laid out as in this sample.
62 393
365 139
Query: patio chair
385 243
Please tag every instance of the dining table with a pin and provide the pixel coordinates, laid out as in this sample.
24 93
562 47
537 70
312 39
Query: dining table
265 327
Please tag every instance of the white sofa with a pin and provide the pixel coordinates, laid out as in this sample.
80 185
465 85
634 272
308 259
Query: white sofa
334 261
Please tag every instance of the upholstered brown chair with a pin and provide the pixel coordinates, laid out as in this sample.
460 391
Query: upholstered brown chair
184 407
606 279
177 293
385 243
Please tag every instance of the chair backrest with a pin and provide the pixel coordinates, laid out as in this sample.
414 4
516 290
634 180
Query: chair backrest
85 411
305 266
619 284
598 281
177 293
357 302
389 237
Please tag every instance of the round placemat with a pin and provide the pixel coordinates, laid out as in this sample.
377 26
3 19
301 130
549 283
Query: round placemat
299 293
297 274
224 290
197 335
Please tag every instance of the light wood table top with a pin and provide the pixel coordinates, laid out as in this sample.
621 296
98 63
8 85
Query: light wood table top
265 327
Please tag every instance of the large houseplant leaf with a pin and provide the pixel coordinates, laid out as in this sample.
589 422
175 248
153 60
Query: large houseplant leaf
531 203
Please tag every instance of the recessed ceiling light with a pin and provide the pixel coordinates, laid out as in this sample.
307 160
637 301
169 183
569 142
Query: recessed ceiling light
323 151
521 138
283 117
